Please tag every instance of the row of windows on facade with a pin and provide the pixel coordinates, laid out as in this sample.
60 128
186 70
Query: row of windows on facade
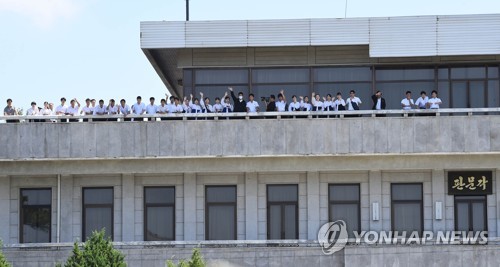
464 87
221 214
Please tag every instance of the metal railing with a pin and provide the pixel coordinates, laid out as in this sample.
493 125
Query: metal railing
257 115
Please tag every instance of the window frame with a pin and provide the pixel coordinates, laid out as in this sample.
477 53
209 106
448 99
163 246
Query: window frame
146 206
21 212
421 202
84 210
282 205
333 202
208 204
470 215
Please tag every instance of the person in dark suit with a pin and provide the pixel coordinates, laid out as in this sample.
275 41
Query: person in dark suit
378 102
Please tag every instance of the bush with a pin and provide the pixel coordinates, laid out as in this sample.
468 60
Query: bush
195 261
96 251
3 260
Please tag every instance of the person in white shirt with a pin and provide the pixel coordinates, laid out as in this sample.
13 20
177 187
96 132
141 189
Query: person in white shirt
73 110
176 107
87 110
304 103
434 102
185 106
281 103
421 102
407 103
139 108
205 104
163 109
226 105
252 106
46 110
124 109
112 110
100 110
317 105
194 105
217 107
328 104
294 105
339 102
61 109
353 102
151 109
33 111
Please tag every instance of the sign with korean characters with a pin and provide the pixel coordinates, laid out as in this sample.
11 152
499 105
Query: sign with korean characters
470 183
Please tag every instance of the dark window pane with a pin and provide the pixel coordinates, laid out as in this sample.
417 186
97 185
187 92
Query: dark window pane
344 192
468 73
443 94
159 195
349 213
36 224
96 219
160 223
462 216
234 76
36 197
342 74
459 92
280 75
493 94
401 75
283 193
221 194
407 217
478 216
98 195
493 72
443 74
477 95
188 78
290 222
221 222
274 222
407 192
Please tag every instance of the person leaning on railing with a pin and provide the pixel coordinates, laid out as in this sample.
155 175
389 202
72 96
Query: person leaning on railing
9 110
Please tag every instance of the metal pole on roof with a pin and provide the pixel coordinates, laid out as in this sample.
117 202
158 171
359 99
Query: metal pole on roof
345 13
187 10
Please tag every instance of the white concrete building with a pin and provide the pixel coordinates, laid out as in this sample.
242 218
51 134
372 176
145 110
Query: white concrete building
255 191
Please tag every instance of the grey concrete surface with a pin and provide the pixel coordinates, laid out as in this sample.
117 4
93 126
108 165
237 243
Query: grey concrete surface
251 137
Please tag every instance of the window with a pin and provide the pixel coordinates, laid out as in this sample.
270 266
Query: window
470 213
407 208
282 212
159 213
220 212
35 215
344 204
97 211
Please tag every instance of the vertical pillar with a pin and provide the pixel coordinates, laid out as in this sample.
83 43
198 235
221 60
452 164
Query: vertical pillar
313 219
67 223
189 206
128 207
438 195
375 188
251 206
5 208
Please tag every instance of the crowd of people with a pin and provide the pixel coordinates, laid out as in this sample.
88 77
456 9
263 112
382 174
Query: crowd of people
221 105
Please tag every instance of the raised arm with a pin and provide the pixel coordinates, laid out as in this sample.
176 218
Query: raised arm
313 98
235 99
283 94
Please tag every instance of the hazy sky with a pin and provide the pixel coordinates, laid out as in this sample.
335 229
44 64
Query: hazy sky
90 48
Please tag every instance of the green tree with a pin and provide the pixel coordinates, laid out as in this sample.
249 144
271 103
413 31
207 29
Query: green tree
3 260
195 261
96 251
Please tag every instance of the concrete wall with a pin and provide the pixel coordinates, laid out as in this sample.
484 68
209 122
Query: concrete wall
351 256
215 138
